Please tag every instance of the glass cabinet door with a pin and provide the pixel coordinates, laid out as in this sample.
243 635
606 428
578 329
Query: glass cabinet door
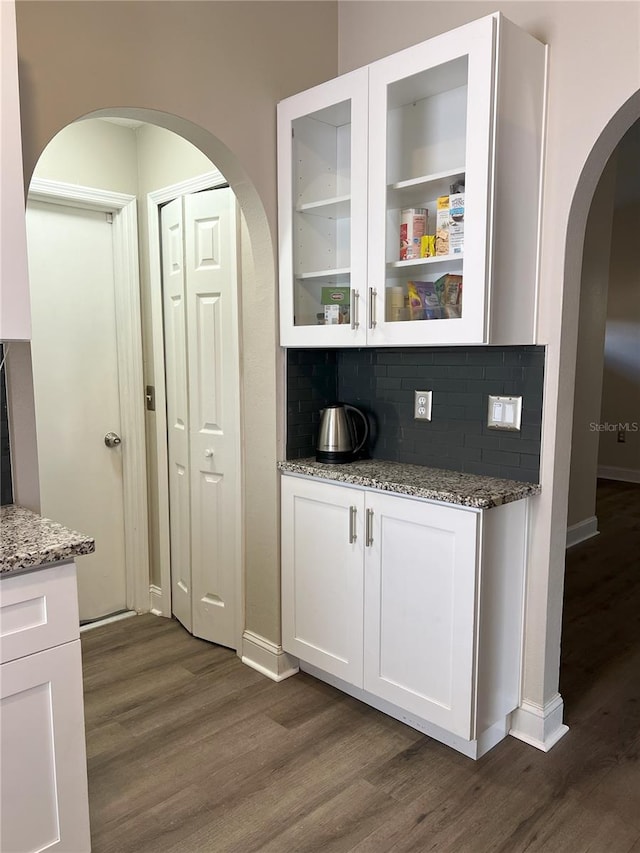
429 198
322 191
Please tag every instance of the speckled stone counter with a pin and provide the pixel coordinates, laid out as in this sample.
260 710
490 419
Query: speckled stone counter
28 541
436 484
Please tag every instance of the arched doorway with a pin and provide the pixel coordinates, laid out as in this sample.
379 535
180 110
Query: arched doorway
601 585
254 231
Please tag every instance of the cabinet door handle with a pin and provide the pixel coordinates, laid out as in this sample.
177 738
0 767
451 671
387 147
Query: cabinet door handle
369 528
372 307
355 297
353 511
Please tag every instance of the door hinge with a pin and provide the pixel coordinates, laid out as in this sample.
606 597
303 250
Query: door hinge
109 218
150 397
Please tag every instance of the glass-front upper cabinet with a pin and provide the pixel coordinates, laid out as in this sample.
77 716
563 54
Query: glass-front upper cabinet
409 196
322 214
429 188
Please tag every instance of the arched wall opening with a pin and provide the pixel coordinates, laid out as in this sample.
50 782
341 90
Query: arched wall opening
260 385
587 270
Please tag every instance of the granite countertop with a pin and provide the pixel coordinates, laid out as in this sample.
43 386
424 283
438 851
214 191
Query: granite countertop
472 490
29 541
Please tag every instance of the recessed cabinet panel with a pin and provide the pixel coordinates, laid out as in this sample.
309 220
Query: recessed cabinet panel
322 552
420 609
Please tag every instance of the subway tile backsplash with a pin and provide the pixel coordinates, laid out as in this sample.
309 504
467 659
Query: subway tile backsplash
382 382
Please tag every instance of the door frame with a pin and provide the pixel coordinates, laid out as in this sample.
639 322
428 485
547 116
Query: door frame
160 596
130 371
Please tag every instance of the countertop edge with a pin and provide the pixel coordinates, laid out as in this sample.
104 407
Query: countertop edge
499 492
30 541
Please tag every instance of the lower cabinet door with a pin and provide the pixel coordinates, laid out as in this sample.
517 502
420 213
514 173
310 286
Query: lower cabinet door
43 773
420 606
322 560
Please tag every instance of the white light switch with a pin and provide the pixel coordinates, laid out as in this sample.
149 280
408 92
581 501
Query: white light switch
504 412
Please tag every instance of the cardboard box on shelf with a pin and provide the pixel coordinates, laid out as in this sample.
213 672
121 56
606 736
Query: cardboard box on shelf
336 305
442 225
456 224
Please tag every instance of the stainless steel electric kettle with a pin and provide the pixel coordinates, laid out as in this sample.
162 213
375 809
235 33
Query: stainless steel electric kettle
337 435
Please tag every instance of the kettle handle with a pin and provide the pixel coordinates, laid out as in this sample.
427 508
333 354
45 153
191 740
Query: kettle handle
366 426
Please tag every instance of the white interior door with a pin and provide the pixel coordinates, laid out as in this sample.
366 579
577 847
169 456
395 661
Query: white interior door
213 421
75 374
173 278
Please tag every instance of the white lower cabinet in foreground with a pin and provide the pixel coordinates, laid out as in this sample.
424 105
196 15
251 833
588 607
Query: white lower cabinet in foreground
43 771
412 606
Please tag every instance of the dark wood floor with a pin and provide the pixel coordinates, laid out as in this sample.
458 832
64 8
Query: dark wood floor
191 751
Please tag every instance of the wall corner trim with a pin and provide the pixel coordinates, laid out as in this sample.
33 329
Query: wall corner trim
538 726
267 657
583 530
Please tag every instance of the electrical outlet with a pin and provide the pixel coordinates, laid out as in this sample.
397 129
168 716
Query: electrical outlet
621 436
422 406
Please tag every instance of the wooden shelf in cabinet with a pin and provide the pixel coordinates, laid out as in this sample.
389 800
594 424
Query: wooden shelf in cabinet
338 207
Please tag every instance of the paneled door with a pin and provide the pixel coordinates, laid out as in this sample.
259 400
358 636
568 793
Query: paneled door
203 392
74 354
420 605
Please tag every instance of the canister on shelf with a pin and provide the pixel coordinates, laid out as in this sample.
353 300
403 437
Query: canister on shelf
396 302
413 224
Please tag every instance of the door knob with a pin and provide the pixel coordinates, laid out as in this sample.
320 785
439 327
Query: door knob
112 439
208 453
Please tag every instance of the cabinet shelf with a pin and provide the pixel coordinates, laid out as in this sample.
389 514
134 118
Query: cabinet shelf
338 207
442 264
335 276
417 191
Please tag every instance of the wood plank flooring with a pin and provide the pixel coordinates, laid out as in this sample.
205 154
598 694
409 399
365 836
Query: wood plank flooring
190 751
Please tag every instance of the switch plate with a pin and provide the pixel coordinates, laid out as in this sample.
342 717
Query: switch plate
504 413
422 406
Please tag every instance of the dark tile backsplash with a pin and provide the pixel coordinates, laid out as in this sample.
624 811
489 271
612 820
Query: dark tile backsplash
381 382
6 489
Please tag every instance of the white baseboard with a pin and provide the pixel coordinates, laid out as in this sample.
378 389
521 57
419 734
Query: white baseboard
267 657
611 472
155 600
537 726
582 531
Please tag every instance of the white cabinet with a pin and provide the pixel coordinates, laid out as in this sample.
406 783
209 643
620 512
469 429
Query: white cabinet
463 110
43 773
15 321
322 578
412 606
322 212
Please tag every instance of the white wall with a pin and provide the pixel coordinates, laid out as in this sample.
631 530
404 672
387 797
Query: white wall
621 389
92 154
590 355
586 119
